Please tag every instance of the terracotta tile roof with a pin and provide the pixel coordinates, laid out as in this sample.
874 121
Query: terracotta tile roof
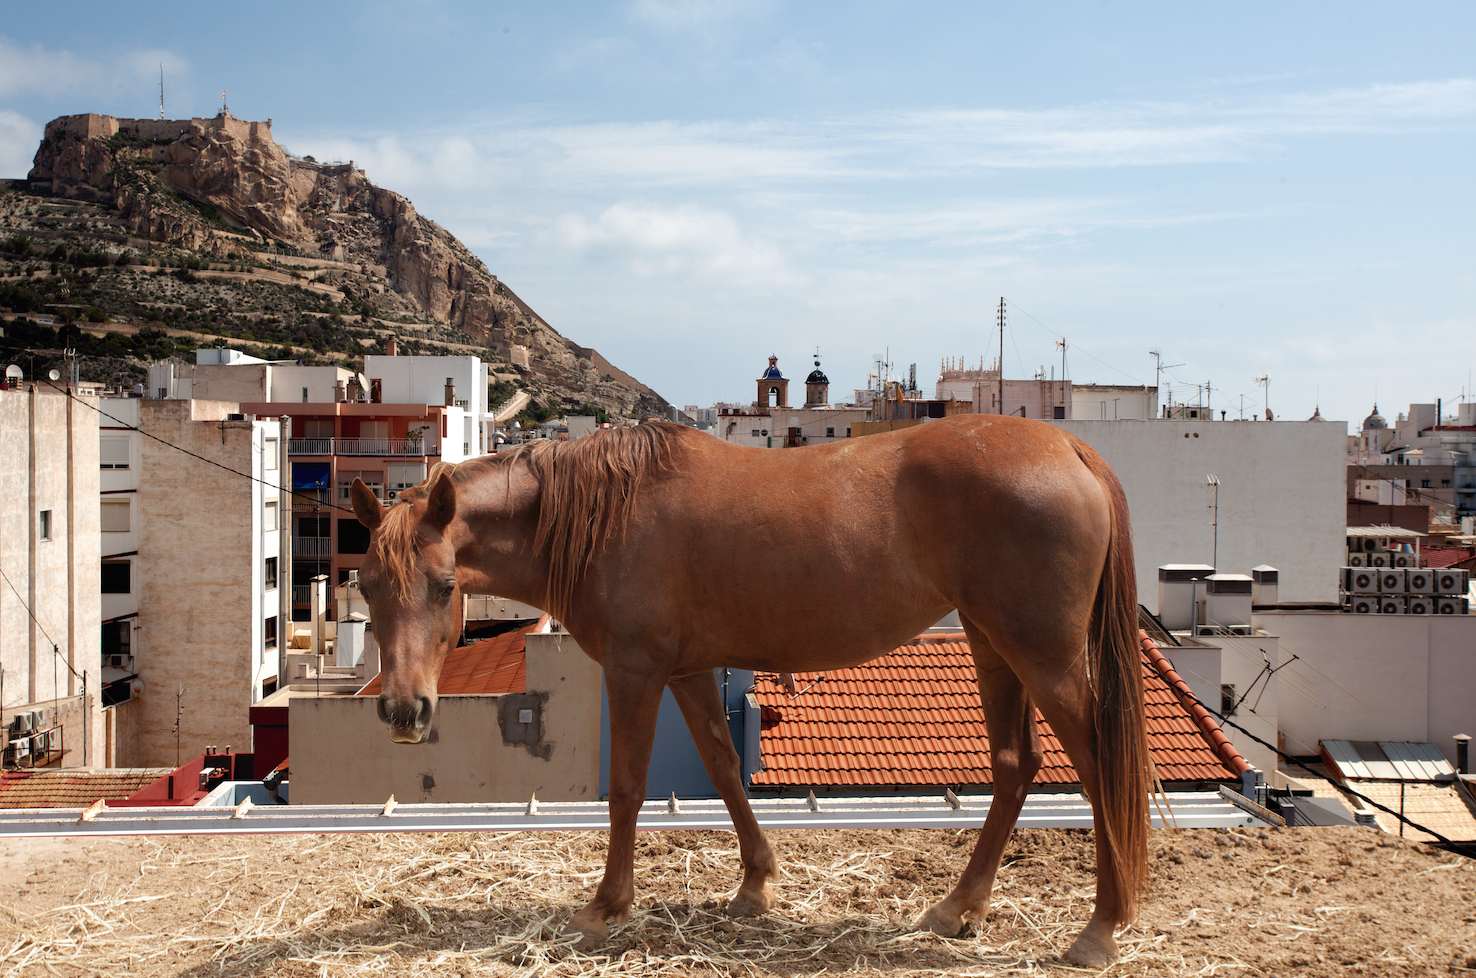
1442 557
490 665
69 788
912 718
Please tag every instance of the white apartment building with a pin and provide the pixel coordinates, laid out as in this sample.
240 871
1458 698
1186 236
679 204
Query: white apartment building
50 695
451 381
196 572
220 374
1440 450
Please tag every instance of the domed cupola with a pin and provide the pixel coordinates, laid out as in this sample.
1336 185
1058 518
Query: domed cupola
817 386
773 388
1374 420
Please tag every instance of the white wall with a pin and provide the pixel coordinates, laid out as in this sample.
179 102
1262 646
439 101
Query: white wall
1110 402
287 380
1282 496
1375 677
1236 660
422 380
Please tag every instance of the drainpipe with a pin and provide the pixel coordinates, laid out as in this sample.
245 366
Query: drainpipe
1463 753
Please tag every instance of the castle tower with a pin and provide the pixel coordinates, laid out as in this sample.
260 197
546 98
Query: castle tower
773 387
817 386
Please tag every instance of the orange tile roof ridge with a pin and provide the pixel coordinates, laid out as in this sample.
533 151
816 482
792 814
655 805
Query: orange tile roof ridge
1209 727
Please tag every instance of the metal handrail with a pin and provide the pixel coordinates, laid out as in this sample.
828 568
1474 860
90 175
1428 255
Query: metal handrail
362 446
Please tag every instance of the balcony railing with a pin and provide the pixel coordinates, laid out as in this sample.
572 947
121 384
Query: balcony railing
306 548
302 594
310 498
363 446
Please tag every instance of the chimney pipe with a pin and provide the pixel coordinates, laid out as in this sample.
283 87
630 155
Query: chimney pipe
340 392
1463 753
450 391
392 347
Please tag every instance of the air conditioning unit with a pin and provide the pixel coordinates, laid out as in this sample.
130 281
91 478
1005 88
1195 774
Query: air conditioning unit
1367 544
1450 606
1358 560
1451 580
1418 604
20 724
1391 581
1378 559
20 747
118 660
1363 580
1402 560
1391 605
1364 605
1419 580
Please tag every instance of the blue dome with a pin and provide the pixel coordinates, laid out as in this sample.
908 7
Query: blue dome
772 374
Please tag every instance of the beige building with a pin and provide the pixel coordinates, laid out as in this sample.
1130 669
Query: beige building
49 556
538 733
197 573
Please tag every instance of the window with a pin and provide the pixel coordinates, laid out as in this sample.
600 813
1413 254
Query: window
269 518
43 525
115 516
829 432
113 452
117 577
117 637
1059 412
269 455
269 632
755 433
1424 483
1227 699
270 576
353 538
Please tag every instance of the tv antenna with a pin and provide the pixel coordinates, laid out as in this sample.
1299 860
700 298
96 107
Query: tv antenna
1000 315
1158 368
225 108
161 91
1265 381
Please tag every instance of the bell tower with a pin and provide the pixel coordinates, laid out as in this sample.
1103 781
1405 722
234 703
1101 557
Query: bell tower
817 386
773 387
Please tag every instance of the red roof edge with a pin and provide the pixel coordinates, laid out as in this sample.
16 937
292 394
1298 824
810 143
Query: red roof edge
1209 728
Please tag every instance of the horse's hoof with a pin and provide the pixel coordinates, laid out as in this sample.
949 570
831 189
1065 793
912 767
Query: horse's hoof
1092 949
748 904
942 920
593 932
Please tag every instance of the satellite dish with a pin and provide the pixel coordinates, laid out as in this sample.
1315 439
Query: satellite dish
54 374
14 372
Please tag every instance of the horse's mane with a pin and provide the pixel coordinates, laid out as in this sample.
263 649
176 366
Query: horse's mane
586 490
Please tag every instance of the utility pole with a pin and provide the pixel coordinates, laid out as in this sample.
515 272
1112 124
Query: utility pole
1209 400
1158 368
1265 381
1001 353
1213 481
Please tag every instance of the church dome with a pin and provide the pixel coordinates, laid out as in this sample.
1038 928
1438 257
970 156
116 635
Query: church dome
1375 420
773 373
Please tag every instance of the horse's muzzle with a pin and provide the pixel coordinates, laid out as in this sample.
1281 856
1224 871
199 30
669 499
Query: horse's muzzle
408 720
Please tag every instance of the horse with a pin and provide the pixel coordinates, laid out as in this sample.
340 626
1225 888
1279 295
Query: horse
668 553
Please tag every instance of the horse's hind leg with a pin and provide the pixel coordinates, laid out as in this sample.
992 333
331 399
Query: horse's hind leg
1015 757
702 707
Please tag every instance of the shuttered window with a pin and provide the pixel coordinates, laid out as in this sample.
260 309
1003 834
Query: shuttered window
113 452
115 516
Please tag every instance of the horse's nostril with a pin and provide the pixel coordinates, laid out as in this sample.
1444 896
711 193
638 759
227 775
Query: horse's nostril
383 707
423 714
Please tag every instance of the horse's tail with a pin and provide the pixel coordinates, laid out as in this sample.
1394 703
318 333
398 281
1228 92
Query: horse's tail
1124 767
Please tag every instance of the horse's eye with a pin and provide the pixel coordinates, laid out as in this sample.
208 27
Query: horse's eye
443 590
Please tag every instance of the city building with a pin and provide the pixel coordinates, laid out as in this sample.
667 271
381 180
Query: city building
1425 458
196 572
452 381
50 667
771 422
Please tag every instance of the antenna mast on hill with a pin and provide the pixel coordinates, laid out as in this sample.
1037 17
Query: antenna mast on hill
1001 353
161 90
225 108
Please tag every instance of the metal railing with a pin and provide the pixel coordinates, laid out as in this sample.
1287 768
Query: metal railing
312 547
302 594
362 446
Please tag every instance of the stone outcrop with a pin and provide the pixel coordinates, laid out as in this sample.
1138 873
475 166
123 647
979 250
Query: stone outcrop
223 188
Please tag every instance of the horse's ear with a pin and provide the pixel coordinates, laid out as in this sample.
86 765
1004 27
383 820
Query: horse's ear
366 505
440 503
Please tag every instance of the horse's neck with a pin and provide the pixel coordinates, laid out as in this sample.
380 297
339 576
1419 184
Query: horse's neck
499 515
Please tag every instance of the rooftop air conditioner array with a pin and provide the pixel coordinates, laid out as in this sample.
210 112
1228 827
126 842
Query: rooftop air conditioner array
1419 580
1392 581
1390 605
1450 606
1363 604
1451 580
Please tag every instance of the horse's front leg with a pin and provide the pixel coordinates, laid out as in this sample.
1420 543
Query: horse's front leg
634 701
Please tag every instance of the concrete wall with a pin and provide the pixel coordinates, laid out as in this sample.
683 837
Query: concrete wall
341 753
422 380
202 605
1375 677
1282 490
1112 402
49 446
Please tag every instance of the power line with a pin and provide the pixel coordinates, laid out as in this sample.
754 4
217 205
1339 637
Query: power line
55 649
1077 347
195 455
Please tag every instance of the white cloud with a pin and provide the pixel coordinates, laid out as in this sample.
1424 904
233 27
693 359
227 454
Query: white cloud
675 241
36 69
19 137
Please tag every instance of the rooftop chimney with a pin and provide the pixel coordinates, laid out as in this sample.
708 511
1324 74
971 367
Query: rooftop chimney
1227 600
1463 753
1264 587
1180 587
450 391
392 347
340 392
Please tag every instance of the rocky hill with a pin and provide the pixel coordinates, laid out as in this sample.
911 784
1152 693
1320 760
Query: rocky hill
183 230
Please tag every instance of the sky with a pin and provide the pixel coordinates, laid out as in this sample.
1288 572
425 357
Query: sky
690 185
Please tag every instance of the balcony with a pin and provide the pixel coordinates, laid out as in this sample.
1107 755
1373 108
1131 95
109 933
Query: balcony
302 594
415 447
311 548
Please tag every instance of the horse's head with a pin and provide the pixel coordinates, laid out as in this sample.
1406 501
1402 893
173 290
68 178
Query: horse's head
409 580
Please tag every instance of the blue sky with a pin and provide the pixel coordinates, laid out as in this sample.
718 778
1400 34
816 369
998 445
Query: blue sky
690 185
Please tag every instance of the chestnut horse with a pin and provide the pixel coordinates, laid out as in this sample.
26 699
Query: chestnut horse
667 553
